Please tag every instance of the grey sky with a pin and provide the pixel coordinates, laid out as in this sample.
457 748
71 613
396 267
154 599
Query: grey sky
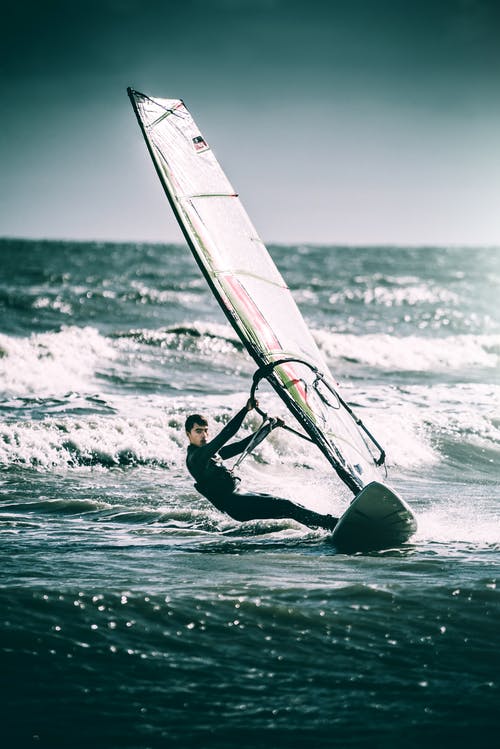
349 121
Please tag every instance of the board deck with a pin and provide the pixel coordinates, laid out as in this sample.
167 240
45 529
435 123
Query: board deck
376 519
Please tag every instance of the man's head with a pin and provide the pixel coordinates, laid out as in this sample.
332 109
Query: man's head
197 429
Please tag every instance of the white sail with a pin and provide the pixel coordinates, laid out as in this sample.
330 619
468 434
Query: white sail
249 287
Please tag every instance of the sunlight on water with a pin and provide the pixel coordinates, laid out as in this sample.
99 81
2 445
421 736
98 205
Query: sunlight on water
461 519
126 596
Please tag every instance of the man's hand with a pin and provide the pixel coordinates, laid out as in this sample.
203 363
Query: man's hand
251 404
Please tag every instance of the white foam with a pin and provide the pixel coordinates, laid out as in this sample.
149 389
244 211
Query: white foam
411 353
101 441
462 520
52 363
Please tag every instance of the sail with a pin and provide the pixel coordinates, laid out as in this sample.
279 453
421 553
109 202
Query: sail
249 287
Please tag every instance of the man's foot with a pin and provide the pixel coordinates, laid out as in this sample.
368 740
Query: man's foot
315 519
330 522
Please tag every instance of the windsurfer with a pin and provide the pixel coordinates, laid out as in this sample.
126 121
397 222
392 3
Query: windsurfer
215 482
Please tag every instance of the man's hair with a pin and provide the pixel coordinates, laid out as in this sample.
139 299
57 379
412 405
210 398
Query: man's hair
195 419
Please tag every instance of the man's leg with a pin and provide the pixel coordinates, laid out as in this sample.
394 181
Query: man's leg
257 506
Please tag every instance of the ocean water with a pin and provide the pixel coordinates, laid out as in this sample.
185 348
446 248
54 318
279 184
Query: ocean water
133 614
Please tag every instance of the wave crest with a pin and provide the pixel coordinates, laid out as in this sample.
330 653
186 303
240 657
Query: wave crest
52 363
412 353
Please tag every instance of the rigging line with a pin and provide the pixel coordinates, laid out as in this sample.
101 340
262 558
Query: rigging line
265 428
299 434
267 369
381 459
325 400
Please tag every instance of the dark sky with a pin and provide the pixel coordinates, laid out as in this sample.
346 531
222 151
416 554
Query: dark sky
348 121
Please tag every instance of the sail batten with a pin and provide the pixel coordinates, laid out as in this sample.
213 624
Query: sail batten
209 195
248 285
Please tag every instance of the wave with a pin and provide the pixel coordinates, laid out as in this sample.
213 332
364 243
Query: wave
52 363
61 381
412 353
447 426
82 360
100 441
188 336
389 291
85 361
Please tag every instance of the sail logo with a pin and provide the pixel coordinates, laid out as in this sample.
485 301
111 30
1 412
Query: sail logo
200 144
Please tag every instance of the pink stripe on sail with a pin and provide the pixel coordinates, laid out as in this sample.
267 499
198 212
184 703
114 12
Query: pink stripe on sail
264 330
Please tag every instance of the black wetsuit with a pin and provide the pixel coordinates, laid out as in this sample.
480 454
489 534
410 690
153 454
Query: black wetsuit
218 484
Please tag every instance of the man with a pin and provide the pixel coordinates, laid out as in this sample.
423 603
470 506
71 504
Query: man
216 483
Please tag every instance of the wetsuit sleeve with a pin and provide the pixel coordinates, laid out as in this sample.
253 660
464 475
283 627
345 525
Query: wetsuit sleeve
235 448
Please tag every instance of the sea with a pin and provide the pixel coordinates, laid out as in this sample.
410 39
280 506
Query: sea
134 614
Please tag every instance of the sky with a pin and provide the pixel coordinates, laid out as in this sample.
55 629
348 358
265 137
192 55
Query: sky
362 122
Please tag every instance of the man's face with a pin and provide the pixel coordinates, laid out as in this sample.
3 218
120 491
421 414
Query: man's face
198 435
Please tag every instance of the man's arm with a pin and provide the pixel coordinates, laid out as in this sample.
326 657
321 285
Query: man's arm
235 448
203 454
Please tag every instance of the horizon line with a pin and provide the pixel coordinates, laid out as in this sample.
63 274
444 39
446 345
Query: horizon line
275 243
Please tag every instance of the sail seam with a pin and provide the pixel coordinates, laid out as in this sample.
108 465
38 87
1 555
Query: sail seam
210 195
248 274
